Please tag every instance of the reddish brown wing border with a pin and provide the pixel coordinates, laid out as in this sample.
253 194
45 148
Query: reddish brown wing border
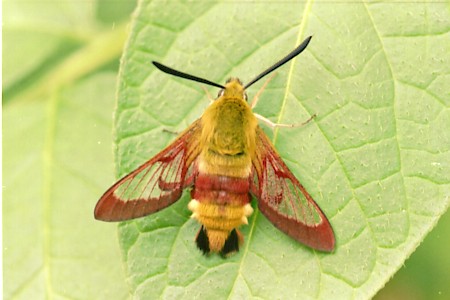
319 236
112 208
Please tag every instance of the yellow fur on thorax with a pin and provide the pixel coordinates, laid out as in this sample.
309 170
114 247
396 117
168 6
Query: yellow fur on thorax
228 134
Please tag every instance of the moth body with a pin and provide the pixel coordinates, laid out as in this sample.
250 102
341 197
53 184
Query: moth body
221 199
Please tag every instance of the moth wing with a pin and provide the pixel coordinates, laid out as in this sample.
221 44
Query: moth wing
284 200
154 185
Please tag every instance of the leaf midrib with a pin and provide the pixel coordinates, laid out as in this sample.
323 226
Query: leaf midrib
301 30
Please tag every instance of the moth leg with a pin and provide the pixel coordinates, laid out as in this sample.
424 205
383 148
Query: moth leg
211 99
170 131
256 98
274 125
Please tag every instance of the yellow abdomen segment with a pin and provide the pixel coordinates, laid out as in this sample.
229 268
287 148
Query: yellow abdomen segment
219 220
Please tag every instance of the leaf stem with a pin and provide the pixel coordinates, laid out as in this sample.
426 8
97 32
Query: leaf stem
101 50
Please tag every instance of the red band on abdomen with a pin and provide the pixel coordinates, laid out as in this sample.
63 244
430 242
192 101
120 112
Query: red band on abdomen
221 189
222 183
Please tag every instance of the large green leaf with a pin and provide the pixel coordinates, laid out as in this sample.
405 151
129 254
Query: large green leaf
376 158
59 72
56 153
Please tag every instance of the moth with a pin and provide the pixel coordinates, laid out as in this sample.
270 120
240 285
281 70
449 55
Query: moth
224 158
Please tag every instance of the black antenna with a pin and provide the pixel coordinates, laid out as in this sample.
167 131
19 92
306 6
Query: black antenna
184 75
288 57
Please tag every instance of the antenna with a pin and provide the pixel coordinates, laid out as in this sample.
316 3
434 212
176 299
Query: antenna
184 75
288 57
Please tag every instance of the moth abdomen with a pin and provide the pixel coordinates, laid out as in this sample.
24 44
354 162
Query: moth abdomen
221 204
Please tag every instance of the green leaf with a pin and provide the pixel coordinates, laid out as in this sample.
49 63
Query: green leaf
60 69
375 159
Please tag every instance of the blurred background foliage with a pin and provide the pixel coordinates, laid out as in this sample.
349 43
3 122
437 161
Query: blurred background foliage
60 64
60 60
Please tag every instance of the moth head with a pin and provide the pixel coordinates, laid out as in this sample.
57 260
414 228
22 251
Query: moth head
233 89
